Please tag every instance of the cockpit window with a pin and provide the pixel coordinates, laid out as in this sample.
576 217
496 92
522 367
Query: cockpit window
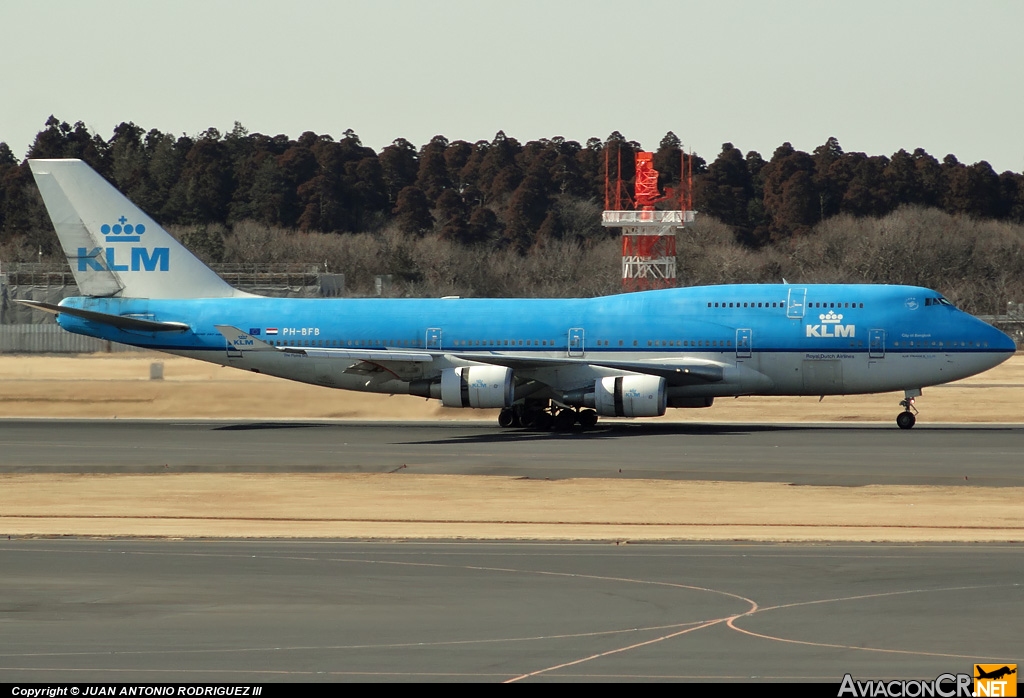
938 300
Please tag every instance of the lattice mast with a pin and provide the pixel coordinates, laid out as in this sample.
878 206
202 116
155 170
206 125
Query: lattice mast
648 234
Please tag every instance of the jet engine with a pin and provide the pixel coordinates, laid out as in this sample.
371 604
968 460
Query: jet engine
477 386
630 396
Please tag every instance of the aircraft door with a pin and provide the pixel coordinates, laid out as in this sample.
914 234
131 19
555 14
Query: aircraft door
434 338
876 344
576 347
795 303
743 343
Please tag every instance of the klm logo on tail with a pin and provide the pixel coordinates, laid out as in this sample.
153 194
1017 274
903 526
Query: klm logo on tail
118 256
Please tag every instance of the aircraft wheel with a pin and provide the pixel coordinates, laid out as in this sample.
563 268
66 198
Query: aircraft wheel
536 420
587 418
905 420
507 418
543 422
565 420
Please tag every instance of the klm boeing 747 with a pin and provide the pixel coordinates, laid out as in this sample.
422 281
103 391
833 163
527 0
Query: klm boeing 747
543 362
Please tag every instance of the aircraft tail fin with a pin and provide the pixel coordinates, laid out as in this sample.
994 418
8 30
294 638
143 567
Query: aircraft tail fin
113 247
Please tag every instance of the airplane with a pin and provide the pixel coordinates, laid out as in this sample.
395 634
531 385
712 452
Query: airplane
995 673
544 363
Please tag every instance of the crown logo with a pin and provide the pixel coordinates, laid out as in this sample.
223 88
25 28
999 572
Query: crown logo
830 318
122 231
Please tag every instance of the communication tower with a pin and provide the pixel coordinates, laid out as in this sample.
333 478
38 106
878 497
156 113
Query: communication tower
648 234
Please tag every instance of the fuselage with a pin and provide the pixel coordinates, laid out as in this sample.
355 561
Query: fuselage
768 339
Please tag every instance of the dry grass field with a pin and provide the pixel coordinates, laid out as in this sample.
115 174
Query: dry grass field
118 386
446 507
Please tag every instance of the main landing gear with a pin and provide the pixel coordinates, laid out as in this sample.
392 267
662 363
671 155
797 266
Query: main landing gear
907 419
542 415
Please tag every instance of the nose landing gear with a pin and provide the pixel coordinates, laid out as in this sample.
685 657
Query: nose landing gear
907 418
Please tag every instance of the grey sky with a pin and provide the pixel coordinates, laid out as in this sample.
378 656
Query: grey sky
880 76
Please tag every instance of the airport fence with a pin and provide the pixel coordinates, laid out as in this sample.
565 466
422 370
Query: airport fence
51 339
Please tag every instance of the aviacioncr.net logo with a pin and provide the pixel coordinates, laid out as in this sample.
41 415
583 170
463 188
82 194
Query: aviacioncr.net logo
995 680
943 686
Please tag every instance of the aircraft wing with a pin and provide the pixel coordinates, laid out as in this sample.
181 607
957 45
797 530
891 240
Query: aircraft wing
675 371
243 341
122 322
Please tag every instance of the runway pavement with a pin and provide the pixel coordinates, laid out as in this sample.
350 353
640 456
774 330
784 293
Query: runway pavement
806 454
270 610
261 611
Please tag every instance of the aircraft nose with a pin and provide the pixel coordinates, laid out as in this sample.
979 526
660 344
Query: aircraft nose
1000 341
997 341
998 346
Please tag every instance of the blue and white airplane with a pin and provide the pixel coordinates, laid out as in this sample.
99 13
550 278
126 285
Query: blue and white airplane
542 362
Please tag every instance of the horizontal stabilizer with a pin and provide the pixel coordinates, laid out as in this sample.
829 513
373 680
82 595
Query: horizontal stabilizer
123 322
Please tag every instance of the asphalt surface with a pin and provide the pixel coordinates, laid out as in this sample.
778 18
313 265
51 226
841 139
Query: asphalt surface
805 454
263 611
269 610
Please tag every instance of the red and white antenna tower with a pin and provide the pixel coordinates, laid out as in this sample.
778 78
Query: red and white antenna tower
648 234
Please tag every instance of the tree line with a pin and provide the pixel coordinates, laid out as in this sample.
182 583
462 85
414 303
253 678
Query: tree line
501 217
501 193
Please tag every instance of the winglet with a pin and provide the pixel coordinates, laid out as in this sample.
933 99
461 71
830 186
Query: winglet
243 341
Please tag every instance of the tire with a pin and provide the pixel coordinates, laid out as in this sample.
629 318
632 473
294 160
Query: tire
905 420
565 420
587 418
506 418
534 420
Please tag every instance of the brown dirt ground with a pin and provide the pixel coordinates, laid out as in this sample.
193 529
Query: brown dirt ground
421 506
114 386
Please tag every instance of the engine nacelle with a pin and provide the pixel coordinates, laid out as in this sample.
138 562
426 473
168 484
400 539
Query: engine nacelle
477 386
630 396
